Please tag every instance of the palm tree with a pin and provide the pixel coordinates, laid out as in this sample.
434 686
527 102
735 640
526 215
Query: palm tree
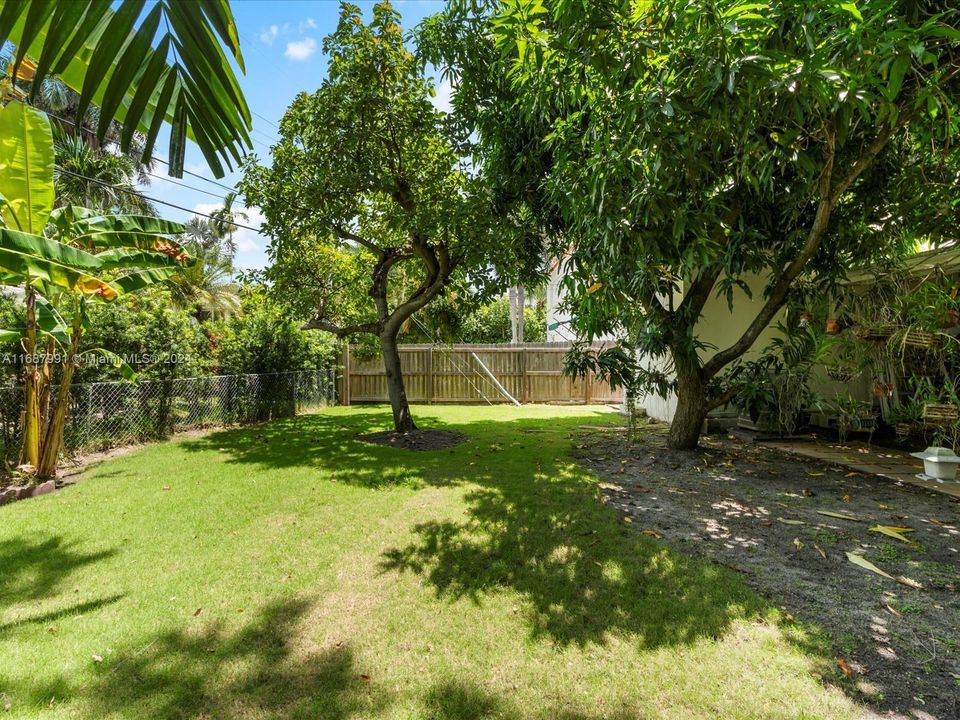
99 179
207 289
107 51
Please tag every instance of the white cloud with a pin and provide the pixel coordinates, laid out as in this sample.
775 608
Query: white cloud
441 101
269 35
308 24
300 50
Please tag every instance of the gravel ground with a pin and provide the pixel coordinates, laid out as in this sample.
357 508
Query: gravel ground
759 511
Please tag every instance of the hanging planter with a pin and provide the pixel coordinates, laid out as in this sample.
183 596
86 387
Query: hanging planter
950 318
883 390
921 339
877 333
804 319
903 430
940 414
840 373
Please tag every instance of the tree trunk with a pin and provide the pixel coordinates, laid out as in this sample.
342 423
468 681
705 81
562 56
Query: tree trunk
30 447
692 408
402 419
53 437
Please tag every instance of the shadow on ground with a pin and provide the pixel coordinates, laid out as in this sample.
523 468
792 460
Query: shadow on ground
534 524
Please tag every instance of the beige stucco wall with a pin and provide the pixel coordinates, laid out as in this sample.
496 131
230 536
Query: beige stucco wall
719 327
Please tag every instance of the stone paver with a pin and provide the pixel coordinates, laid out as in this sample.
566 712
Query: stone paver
860 456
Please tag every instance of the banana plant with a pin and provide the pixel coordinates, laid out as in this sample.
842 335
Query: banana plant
63 258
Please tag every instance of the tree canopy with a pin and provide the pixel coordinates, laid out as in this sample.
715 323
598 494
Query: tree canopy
695 144
369 206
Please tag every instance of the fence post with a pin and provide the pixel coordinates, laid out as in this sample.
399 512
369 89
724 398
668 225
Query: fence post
524 385
430 375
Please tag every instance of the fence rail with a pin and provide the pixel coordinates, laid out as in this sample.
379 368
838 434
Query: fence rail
112 414
531 373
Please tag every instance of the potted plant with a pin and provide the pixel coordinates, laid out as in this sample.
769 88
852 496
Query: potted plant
906 419
853 415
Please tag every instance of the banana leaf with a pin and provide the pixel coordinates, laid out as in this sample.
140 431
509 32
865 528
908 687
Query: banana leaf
26 168
126 371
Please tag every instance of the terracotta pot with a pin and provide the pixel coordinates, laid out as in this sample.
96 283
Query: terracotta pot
951 318
882 390
833 327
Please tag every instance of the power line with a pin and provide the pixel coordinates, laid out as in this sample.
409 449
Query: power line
157 159
151 199
201 177
173 181
266 120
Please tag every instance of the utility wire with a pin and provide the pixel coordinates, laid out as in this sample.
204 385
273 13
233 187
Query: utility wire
173 181
151 199
157 159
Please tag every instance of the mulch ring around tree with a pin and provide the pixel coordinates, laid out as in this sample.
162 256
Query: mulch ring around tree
416 440
795 530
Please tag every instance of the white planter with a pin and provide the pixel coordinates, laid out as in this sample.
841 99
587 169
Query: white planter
939 463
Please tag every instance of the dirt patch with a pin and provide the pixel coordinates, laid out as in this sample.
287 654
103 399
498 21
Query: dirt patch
759 511
416 440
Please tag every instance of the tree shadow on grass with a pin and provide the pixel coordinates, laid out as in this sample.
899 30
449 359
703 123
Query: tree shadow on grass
534 524
208 671
329 442
35 569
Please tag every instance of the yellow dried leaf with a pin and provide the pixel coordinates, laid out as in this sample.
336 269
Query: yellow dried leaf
895 532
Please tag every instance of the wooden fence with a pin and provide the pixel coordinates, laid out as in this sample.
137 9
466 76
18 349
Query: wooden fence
531 373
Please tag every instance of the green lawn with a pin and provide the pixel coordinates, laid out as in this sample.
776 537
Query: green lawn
289 571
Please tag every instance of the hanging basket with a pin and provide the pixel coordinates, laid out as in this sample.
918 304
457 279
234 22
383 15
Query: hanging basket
921 339
883 390
945 414
878 333
903 430
840 374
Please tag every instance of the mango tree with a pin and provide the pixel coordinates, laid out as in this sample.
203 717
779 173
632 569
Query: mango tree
63 257
370 208
704 148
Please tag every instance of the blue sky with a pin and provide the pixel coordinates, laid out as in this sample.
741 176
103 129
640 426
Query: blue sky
281 43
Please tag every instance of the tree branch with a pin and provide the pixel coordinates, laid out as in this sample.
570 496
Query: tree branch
780 289
347 235
319 323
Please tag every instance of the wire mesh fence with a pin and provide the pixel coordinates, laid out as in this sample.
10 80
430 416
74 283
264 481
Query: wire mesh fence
111 414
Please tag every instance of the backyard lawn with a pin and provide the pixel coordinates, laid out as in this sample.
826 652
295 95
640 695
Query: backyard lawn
291 571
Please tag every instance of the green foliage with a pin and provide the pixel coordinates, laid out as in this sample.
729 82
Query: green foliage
107 54
26 163
490 323
159 340
699 144
263 339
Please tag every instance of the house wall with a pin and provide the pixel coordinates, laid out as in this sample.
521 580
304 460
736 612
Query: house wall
719 327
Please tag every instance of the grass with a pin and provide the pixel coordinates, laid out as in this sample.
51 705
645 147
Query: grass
289 571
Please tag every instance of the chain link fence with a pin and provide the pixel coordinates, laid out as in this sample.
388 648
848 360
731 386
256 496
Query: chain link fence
111 414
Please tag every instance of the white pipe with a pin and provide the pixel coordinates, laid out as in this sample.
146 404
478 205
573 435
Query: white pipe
496 382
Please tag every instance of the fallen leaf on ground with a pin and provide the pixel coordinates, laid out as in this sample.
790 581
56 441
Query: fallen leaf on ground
197 611
820 550
797 544
365 678
98 658
844 667
895 532
787 521
842 516
846 498
890 609
909 583
867 565
652 533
